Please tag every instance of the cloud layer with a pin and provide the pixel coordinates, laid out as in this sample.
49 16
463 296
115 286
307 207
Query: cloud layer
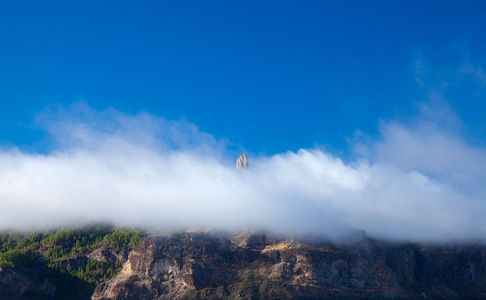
415 183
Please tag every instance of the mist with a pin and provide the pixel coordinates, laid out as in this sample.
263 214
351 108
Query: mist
417 182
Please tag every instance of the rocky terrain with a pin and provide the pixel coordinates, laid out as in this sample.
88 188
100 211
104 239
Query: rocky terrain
253 266
64 263
111 263
16 284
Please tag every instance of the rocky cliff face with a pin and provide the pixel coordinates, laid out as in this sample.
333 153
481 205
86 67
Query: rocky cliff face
214 266
15 284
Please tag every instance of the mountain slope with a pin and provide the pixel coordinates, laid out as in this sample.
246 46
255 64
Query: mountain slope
252 266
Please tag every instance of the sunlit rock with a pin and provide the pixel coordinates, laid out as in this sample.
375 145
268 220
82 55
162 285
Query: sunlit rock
242 162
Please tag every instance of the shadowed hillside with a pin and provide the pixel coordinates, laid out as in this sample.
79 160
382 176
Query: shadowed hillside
62 264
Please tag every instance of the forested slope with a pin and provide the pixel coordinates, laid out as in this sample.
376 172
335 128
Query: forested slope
62 263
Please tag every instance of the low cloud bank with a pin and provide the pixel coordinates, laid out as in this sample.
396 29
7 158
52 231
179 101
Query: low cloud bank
419 183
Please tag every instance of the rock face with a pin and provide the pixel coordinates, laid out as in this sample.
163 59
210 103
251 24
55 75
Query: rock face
247 265
109 255
15 284
242 162
101 254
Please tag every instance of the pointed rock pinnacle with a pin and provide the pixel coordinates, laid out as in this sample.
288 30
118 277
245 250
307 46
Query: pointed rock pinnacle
242 162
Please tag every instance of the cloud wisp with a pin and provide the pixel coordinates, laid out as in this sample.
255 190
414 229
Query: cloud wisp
141 170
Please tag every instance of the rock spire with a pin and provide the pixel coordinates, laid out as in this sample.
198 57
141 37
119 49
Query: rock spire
242 162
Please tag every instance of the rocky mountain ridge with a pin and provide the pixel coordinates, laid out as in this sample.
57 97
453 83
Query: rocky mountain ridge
252 266
244 265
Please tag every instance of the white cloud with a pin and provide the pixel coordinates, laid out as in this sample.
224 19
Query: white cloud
145 170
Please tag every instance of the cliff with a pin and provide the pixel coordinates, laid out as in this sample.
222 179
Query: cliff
252 266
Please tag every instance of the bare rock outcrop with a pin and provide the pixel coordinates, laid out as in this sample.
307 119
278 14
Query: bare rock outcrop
242 162
15 284
248 265
108 254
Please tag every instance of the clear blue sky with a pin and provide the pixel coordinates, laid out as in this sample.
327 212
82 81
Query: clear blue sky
270 76
387 99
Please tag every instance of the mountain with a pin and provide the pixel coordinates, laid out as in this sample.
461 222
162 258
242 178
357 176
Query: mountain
65 263
254 266
217 265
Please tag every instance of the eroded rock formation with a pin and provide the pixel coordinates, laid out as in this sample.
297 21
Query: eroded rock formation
242 162
214 266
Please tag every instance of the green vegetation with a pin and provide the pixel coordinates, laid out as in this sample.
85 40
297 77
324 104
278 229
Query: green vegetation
19 258
122 239
43 256
82 281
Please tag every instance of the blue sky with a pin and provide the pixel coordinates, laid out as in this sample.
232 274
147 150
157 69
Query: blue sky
354 115
270 76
